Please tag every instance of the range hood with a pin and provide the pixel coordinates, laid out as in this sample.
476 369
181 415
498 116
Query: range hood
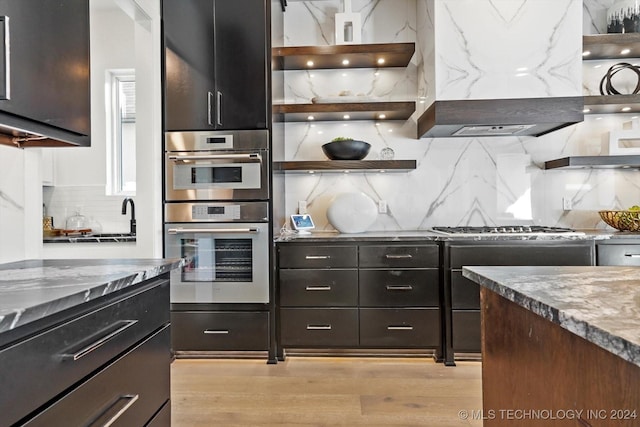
499 117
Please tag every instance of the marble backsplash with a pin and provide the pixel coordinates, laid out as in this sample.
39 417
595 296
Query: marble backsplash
457 180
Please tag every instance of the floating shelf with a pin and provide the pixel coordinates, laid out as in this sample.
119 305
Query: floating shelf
332 57
337 111
607 104
345 166
610 46
594 162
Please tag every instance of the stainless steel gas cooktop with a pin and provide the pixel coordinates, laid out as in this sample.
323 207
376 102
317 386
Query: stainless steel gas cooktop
517 230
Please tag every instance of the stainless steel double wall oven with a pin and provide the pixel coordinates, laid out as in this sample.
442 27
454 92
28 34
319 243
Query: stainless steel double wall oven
217 213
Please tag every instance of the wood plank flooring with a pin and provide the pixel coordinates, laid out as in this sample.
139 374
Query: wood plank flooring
324 391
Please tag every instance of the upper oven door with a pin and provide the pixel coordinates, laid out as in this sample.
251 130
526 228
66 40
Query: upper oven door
215 175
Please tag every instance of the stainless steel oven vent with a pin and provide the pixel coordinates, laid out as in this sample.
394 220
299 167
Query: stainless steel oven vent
492 130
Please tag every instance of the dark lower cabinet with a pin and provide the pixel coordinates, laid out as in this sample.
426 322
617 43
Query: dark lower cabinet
462 296
194 331
106 365
356 295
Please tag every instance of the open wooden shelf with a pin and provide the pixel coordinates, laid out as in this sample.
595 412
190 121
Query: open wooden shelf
607 104
594 162
345 166
609 46
332 57
337 111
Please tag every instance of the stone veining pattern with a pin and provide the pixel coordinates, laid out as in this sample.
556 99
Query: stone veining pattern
30 290
460 181
599 304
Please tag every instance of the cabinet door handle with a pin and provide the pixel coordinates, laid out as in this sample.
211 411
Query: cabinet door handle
219 109
101 341
5 65
130 399
210 103
317 257
399 328
318 327
215 331
632 255
318 288
399 287
401 256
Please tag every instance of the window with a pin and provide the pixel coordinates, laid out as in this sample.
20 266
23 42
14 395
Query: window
121 136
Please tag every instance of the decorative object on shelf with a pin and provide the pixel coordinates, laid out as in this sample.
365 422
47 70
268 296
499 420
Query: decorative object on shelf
622 220
352 212
627 140
624 17
386 153
348 26
606 86
346 149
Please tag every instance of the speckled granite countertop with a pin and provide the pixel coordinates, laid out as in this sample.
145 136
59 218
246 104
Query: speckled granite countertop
599 304
33 289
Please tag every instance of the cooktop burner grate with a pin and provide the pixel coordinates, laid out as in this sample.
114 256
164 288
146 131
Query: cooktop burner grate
504 229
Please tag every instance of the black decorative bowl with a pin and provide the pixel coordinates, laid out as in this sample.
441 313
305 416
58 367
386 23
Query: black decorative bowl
346 150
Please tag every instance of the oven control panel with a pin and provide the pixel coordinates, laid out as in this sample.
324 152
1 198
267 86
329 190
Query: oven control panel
215 212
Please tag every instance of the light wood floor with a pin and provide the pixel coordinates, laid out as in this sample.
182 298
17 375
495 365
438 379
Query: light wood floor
324 391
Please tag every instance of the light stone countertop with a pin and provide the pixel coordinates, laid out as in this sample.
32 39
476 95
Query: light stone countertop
599 304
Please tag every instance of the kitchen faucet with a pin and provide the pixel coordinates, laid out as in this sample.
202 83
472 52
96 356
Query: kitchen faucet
132 223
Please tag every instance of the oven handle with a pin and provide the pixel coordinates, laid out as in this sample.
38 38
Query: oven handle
214 230
251 156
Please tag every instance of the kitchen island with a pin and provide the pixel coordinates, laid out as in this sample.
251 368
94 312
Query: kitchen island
85 341
560 345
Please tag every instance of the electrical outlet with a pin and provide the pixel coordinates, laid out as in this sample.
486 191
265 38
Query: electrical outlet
302 207
382 206
567 204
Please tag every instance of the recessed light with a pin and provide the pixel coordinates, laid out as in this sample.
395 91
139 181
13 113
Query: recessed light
345 62
310 118
381 61
346 117
586 110
626 109
382 116
312 172
625 51
309 63
586 53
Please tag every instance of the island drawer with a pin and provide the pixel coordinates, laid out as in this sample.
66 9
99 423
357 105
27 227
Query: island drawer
313 327
303 256
400 328
399 288
121 391
219 330
69 352
611 254
307 288
393 256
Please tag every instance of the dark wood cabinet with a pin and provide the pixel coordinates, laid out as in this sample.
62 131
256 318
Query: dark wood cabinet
216 64
356 295
462 296
109 360
45 69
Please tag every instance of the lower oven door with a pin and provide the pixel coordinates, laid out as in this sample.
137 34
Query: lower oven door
229 262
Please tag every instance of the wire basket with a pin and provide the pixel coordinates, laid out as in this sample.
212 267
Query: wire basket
622 220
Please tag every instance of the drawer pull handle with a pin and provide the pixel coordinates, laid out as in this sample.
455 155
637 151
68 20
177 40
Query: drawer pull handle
399 287
318 327
130 400
402 256
215 331
632 255
317 257
318 288
100 342
400 328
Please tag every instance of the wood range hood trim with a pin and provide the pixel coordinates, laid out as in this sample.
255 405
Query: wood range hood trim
542 115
